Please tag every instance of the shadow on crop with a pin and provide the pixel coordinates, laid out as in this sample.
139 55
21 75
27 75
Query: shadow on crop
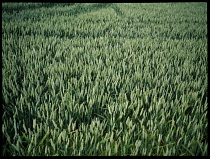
15 8
81 8
71 9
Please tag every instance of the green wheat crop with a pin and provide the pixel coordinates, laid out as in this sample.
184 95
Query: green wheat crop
110 79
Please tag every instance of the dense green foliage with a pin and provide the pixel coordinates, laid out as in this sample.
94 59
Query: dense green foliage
104 79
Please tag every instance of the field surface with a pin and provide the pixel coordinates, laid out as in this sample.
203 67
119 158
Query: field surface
104 79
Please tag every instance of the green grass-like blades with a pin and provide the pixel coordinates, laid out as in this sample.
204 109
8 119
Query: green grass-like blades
188 150
93 79
42 140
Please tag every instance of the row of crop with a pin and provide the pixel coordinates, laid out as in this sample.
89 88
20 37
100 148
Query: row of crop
139 28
